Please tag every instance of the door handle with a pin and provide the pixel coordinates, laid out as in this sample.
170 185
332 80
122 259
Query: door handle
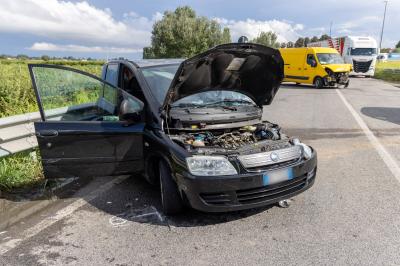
305 69
47 133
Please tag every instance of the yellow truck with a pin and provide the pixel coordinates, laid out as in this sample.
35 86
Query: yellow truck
315 65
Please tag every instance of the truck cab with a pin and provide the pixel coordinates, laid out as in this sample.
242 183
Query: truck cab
361 52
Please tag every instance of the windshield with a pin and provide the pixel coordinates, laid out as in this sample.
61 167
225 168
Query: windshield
363 51
330 58
214 98
159 79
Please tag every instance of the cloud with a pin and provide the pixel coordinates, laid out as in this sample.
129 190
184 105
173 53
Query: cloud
286 31
75 22
50 47
359 24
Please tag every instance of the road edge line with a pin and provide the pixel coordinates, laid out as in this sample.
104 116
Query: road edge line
383 153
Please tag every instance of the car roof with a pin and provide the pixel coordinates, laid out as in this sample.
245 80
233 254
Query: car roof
150 62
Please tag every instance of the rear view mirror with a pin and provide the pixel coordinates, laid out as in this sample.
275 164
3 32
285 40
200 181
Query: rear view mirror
130 109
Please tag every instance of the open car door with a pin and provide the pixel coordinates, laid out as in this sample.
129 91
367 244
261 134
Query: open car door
89 128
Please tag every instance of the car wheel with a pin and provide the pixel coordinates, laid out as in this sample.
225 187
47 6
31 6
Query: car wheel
171 200
347 84
318 83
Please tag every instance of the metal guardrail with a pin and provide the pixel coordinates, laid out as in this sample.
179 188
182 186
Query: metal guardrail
17 133
392 71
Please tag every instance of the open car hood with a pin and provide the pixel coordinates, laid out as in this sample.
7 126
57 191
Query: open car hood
251 69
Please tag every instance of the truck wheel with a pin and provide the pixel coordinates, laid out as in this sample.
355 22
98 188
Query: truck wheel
318 83
170 198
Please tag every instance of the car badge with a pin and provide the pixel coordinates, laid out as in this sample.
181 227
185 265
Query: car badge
274 156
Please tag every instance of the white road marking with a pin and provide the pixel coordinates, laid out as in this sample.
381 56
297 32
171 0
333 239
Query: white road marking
60 214
383 153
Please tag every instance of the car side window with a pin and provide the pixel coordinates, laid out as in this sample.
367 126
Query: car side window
70 95
112 74
311 59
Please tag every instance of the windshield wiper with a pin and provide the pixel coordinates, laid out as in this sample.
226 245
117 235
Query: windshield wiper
216 104
229 101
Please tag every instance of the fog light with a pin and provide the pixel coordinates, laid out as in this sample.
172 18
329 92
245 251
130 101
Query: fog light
310 174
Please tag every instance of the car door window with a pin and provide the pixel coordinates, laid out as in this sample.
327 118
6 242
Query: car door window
311 60
112 74
71 95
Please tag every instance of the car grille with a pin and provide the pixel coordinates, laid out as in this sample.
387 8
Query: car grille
361 66
255 195
267 158
266 193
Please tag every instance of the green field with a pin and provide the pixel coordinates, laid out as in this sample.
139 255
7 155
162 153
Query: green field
381 73
17 97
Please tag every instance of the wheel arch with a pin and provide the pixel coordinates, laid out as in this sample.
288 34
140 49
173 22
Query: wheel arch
152 168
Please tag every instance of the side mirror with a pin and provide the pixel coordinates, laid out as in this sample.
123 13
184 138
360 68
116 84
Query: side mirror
313 63
130 109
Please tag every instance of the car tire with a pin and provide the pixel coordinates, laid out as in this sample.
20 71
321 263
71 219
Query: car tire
347 84
318 83
171 200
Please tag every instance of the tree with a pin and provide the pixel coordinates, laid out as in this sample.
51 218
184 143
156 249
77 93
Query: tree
183 34
22 57
306 41
268 38
290 44
398 45
283 45
314 39
299 42
45 57
324 37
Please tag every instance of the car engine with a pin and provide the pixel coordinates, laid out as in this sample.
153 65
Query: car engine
230 138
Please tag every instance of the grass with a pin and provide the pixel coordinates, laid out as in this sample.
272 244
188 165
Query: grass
380 72
20 170
17 97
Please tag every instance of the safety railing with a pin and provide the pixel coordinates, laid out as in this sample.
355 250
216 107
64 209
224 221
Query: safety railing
17 133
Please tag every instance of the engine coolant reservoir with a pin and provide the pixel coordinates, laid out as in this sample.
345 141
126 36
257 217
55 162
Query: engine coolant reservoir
198 142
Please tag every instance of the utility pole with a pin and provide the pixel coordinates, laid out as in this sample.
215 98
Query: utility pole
383 24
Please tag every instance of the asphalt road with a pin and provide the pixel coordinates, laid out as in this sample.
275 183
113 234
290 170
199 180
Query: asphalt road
351 216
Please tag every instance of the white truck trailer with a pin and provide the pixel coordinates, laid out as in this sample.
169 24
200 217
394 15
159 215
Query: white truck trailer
359 51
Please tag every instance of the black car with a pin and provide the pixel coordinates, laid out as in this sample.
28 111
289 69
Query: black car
195 127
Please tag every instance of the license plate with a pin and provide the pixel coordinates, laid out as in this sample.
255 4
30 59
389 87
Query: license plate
277 176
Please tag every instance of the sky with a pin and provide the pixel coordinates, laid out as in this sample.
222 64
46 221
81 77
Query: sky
114 28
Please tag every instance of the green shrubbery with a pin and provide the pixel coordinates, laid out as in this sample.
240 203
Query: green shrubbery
381 73
17 97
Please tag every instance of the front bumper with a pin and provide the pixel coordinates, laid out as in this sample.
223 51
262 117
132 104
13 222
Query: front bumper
245 191
337 78
368 73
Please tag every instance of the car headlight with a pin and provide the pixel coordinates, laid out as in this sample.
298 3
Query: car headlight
210 166
307 152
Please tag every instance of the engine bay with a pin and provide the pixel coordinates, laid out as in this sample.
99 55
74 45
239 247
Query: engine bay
233 138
